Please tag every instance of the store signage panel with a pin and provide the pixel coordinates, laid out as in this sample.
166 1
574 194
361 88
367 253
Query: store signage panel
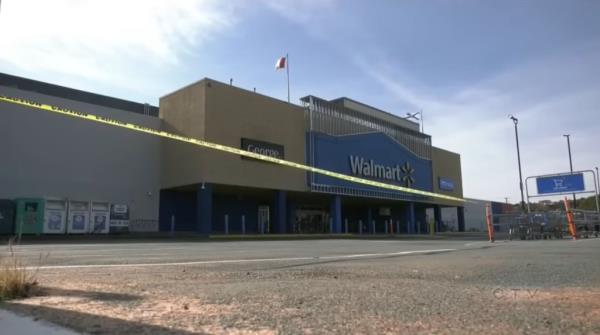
446 184
372 156
263 148
560 184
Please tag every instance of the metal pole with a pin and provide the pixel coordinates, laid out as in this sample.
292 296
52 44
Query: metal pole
311 106
287 68
172 225
516 121
596 185
568 136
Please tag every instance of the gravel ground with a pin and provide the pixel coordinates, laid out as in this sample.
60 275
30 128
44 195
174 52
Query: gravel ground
528 287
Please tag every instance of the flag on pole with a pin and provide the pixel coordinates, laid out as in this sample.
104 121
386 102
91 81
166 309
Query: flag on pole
280 63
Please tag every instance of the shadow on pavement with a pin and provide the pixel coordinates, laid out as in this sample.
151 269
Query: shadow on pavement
89 323
95 295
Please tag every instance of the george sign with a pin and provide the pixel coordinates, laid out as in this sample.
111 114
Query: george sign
560 184
446 184
262 148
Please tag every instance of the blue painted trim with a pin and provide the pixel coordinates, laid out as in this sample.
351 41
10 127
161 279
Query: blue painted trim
336 213
460 215
369 220
437 216
280 209
411 218
204 208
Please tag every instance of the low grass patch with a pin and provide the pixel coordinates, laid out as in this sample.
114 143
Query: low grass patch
16 281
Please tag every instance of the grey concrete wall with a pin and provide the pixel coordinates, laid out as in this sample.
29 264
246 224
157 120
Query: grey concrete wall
48 155
474 215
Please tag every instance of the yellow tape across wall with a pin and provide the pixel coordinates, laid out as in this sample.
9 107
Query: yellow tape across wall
219 147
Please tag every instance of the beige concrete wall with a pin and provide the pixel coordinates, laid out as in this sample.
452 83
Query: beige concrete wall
446 164
224 114
183 111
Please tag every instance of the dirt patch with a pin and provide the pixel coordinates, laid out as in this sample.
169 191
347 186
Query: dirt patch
582 304
89 303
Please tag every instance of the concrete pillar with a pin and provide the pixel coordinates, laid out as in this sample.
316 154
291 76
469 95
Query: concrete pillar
410 218
204 199
291 214
460 215
279 212
336 214
437 216
421 218
370 220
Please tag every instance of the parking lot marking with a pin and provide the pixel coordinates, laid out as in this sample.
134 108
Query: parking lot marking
227 261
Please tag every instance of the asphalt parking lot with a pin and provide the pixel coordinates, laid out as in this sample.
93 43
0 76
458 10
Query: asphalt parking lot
450 286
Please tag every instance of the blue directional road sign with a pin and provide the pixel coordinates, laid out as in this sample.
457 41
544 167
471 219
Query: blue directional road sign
560 184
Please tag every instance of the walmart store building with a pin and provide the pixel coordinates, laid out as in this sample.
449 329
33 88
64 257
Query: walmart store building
171 185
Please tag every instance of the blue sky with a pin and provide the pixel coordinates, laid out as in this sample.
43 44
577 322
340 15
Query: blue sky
466 64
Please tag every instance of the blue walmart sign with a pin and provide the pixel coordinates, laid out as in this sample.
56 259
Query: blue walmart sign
446 184
372 156
560 184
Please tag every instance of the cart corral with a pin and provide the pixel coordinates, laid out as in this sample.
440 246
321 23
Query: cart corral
544 225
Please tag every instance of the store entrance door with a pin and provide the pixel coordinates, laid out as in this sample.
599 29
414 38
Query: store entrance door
263 219
311 221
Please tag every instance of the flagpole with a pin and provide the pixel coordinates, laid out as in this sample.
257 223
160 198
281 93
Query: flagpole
287 59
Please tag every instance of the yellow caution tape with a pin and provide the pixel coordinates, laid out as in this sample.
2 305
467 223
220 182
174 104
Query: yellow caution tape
219 147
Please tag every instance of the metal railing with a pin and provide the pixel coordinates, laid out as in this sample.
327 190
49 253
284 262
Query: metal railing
333 119
336 120
544 225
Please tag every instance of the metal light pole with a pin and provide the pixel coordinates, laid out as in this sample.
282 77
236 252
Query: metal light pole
597 187
568 136
516 121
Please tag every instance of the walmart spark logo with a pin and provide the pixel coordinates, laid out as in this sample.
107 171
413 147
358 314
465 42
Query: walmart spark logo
408 171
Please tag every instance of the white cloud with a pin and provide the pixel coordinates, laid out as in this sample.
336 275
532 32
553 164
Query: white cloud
106 40
551 96
300 11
